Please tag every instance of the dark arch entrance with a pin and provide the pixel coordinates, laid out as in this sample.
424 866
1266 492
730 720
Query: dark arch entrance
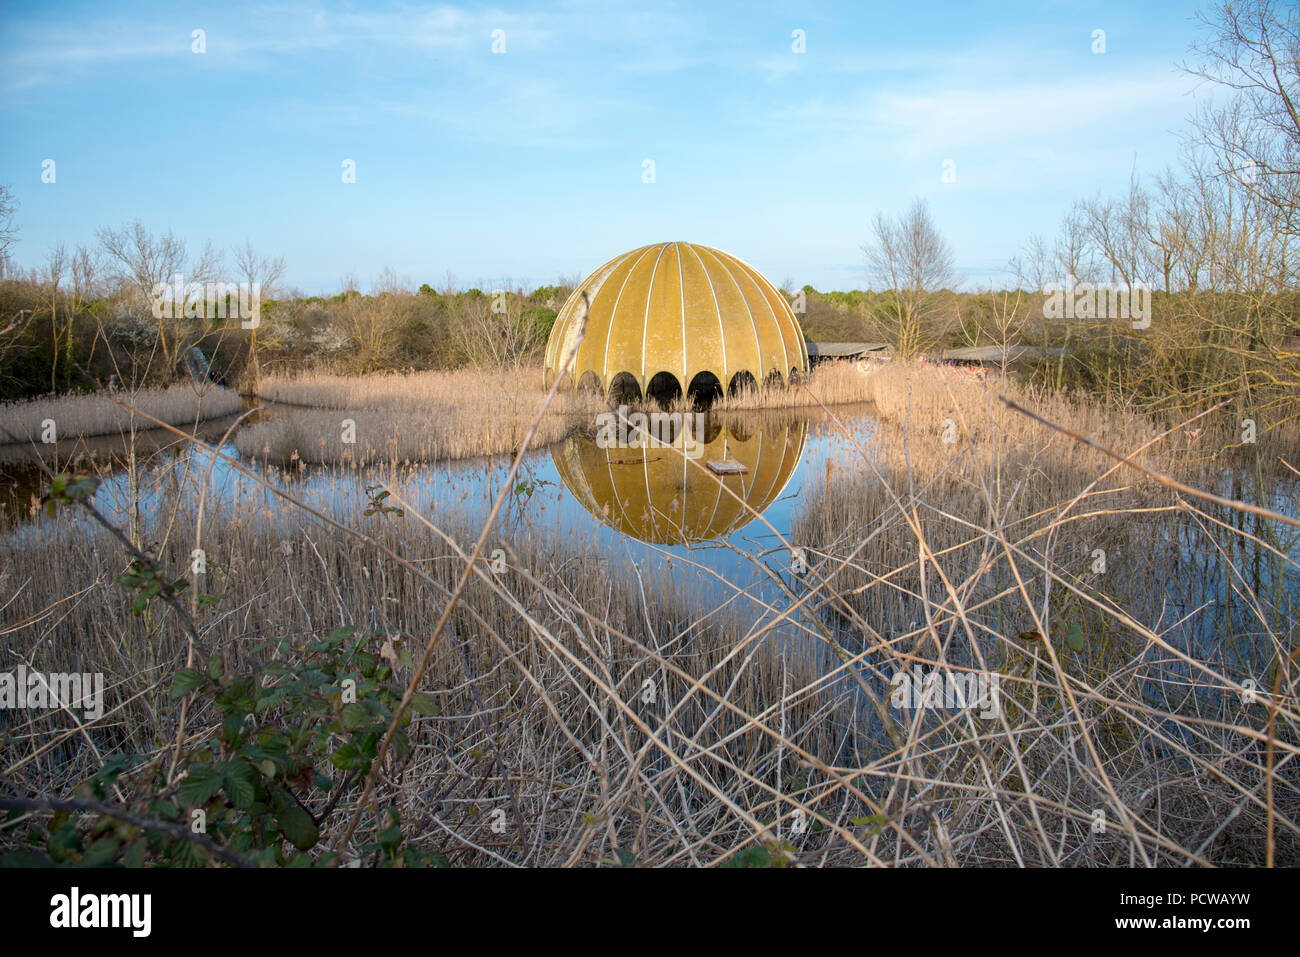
624 389
664 389
773 380
590 382
742 381
704 389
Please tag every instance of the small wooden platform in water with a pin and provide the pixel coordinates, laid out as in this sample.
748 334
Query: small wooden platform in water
727 467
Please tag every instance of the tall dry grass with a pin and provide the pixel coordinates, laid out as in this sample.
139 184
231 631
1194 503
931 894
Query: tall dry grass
1127 624
81 416
466 413
416 417
1125 741
830 383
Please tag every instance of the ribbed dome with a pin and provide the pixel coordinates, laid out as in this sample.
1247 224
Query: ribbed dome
681 310
658 495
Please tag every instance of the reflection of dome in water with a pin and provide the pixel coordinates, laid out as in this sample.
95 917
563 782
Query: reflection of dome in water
657 495
677 317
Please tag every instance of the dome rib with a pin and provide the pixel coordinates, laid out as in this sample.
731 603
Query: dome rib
681 289
722 331
645 318
749 272
554 357
613 313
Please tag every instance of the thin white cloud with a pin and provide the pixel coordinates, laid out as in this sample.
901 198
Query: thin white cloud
38 52
969 115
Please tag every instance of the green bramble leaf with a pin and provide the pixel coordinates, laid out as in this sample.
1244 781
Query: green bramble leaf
199 786
295 824
187 680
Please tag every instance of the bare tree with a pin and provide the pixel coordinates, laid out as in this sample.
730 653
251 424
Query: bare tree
370 324
491 329
1073 248
1033 265
12 328
1118 229
83 268
261 273
55 265
145 262
8 231
1253 55
255 269
999 317
910 257
390 282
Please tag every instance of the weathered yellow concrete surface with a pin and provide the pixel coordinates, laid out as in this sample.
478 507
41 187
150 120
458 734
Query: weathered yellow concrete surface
680 309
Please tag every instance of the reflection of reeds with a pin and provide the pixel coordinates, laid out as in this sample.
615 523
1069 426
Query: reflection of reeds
81 416
973 554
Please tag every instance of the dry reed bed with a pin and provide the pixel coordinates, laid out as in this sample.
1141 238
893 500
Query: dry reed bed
557 649
831 383
1123 622
81 416
317 436
431 416
416 417
933 554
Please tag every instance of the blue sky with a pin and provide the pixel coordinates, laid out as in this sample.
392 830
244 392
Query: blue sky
527 165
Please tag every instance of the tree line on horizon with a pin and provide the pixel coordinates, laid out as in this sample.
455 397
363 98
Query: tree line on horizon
1214 239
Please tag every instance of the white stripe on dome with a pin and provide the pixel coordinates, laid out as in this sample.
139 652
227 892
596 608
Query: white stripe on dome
618 499
803 343
681 292
568 312
645 315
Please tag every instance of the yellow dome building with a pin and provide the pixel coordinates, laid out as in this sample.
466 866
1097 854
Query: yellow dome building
677 317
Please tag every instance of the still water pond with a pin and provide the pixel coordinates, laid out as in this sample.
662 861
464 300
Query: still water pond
650 512
666 522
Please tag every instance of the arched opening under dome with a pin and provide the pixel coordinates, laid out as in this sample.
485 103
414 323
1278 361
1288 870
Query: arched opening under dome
774 380
704 389
743 381
624 388
664 389
590 382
